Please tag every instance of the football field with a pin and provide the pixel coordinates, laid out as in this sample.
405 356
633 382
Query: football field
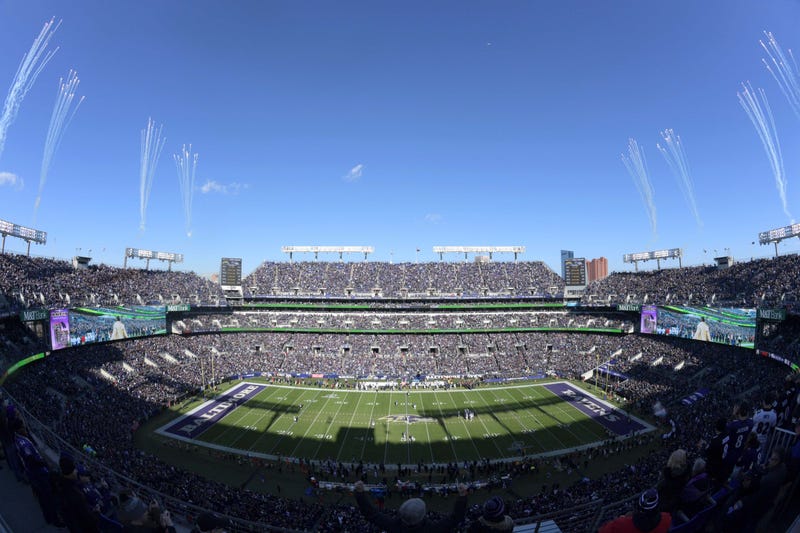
406 427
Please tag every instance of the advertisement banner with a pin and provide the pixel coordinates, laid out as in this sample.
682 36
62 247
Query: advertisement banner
59 329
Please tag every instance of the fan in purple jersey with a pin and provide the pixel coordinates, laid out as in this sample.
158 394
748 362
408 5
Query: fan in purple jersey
737 431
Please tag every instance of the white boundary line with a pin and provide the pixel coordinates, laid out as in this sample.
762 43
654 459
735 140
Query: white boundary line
161 431
232 390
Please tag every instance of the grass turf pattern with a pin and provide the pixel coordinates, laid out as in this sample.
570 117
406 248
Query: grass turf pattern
405 427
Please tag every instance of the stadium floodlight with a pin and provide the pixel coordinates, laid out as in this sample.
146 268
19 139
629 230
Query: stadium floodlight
29 235
316 250
441 250
657 255
778 234
147 255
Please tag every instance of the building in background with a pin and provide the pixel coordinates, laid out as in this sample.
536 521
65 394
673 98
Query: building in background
596 268
565 254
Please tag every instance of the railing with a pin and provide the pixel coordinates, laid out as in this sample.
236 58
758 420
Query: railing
583 518
781 439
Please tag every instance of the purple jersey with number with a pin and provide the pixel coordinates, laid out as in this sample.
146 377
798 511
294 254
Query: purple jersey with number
735 439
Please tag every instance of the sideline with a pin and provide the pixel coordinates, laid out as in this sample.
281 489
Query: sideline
271 457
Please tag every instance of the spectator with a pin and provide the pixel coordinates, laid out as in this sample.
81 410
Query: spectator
137 517
494 517
645 519
673 479
752 506
713 453
411 516
693 496
73 507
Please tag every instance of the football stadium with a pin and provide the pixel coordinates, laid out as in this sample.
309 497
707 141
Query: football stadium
427 274
267 397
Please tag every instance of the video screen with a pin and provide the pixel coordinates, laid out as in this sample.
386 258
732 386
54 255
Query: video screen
724 325
649 318
99 324
59 329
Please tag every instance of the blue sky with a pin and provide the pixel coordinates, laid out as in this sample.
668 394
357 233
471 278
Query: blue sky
399 125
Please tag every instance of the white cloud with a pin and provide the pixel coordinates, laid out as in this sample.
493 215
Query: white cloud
211 186
12 180
354 174
433 218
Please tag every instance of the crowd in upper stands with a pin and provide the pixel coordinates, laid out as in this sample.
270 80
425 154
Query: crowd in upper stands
37 282
757 283
49 283
524 278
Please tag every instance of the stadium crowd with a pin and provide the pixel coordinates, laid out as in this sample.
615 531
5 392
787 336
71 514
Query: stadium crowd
704 395
320 278
758 283
399 320
50 283
41 282
88 386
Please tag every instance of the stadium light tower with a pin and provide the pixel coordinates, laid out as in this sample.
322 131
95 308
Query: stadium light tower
28 235
777 235
316 250
147 255
441 250
658 255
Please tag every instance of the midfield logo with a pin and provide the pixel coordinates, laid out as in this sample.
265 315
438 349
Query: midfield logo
406 419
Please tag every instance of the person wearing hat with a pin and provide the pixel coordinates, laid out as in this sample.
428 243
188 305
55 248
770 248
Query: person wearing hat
138 517
494 517
412 514
75 511
645 519
210 523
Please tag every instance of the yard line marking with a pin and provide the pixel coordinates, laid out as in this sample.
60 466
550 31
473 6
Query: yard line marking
347 428
386 447
472 440
280 439
369 429
519 418
246 411
444 425
329 398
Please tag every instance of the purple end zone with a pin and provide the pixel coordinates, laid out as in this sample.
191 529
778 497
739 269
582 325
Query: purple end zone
609 417
194 423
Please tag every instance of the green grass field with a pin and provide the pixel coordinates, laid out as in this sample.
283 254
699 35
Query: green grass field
398 427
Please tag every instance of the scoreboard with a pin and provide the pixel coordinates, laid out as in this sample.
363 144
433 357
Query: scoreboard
230 272
575 272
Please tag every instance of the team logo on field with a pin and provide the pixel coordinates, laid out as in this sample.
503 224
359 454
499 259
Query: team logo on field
407 419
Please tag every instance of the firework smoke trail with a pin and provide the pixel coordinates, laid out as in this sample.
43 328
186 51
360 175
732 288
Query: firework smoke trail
29 69
152 144
756 105
784 70
186 163
637 168
62 115
676 159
